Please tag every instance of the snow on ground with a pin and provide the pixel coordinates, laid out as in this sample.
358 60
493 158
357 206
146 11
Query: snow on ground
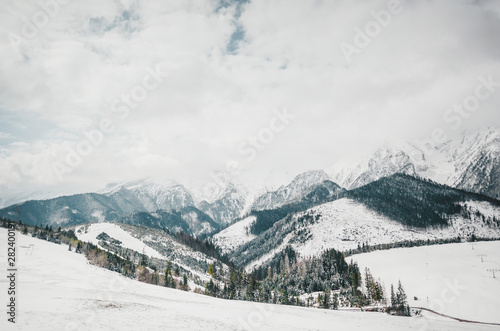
59 290
134 240
450 279
235 235
89 233
344 224
269 255
485 208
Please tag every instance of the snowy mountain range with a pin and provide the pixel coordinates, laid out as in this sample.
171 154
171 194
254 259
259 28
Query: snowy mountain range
470 162
161 204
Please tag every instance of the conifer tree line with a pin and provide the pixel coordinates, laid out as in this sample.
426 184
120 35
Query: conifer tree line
365 247
290 280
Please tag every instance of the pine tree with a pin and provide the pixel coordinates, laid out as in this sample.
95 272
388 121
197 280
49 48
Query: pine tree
78 247
284 296
399 302
185 282
144 260
393 296
369 285
326 298
335 301
168 281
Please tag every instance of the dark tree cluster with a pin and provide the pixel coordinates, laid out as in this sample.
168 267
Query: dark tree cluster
413 201
287 280
399 303
204 246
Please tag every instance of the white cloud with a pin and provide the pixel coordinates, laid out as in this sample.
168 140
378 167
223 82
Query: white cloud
64 80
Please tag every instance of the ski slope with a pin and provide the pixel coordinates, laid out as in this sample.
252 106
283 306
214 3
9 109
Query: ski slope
450 279
59 290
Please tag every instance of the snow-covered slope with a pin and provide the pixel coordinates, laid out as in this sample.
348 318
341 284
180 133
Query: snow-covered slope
300 185
346 224
154 243
235 235
90 232
470 162
450 279
83 297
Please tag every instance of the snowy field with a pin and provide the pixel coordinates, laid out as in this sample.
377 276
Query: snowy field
450 279
58 290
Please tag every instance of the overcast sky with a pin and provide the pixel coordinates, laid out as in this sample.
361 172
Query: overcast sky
177 89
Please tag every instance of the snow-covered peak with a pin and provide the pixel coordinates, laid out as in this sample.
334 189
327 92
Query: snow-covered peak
389 159
149 183
467 144
301 184
223 201
221 186
153 193
309 178
469 161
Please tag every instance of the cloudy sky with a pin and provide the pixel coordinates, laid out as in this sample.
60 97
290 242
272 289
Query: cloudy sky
93 92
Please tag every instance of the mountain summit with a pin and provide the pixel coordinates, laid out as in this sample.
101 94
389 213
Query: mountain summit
470 162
